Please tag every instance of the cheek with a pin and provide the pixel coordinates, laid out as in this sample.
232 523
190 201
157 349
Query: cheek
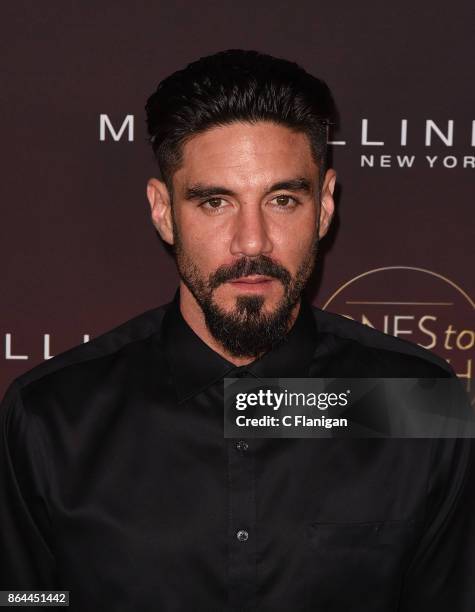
205 249
293 245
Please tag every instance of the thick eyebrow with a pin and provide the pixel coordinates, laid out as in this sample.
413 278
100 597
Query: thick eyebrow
200 191
298 184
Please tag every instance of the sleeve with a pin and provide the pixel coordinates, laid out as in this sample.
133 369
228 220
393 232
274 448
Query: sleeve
441 576
26 558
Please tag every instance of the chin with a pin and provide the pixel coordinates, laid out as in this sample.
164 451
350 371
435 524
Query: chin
267 304
270 301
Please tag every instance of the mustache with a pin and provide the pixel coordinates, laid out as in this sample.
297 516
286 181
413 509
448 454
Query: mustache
245 267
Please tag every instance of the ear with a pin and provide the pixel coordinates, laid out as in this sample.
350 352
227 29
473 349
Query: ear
327 204
160 207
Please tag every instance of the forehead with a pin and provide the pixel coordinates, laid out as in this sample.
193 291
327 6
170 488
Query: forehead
244 155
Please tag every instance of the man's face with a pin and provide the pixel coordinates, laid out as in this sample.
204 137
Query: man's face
245 228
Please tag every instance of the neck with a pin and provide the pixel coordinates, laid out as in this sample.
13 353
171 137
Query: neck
193 315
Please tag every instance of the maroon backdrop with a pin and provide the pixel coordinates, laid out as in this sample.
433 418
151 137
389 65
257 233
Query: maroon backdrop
78 251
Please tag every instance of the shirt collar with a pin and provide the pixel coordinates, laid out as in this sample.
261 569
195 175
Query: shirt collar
195 366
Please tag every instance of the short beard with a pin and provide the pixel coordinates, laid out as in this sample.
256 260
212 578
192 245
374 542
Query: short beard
247 331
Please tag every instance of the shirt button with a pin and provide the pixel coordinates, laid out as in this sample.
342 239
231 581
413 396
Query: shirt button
242 535
242 446
242 374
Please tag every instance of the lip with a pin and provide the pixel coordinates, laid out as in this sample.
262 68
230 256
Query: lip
252 280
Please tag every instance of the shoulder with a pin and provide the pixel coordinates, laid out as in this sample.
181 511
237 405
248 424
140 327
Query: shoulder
89 361
387 354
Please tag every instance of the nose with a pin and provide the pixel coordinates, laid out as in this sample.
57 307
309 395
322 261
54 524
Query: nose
251 234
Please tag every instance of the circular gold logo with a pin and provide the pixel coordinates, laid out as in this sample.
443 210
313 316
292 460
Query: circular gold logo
415 304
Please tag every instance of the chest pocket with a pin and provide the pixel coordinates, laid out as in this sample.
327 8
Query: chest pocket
359 565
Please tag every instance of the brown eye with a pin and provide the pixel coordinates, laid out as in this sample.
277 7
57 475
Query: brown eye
214 202
285 201
214 205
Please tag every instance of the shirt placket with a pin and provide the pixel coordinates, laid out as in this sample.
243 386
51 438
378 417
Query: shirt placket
242 528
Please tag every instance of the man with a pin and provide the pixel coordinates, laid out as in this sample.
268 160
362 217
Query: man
117 482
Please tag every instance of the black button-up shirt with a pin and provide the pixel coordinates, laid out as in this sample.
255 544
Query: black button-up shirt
118 485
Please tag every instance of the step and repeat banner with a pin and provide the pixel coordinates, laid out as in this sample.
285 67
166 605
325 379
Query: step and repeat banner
79 253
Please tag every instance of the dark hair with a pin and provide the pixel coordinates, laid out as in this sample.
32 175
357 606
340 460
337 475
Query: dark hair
236 85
